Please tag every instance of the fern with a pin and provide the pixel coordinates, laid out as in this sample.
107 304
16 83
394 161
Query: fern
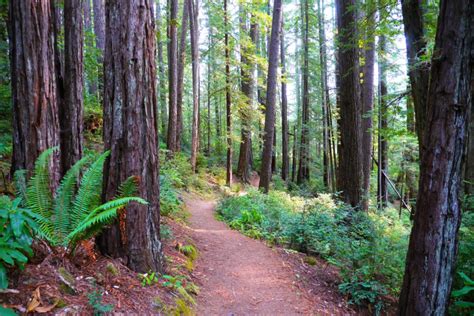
75 213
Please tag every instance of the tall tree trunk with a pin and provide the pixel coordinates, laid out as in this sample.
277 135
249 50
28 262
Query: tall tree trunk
161 74
350 155
130 133
33 79
433 242
418 71
266 171
228 100
181 66
247 87
71 111
172 76
382 189
99 24
293 160
87 14
469 173
368 99
209 58
284 111
194 30
303 168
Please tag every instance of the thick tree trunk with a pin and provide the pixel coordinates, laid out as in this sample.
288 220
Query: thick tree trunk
350 155
194 30
33 80
228 100
368 100
181 66
269 130
382 188
303 168
433 242
418 70
285 165
247 87
172 76
87 14
99 24
71 111
130 133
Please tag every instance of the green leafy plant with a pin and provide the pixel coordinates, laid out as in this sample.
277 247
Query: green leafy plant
74 212
95 301
149 278
15 237
364 292
461 303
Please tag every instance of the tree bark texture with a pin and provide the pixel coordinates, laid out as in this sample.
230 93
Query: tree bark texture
99 24
350 162
433 242
194 30
130 132
33 80
172 76
382 187
269 130
285 165
71 112
228 98
181 66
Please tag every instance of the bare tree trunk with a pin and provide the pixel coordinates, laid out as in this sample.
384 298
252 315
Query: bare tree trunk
382 189
172 76
33 79
209 58
350 155
293 163
71 111
194 30
87 15
368 100
130 133
303 168
284 111
418 71
99 24
266 171
163 117
228 100
181 66
433 242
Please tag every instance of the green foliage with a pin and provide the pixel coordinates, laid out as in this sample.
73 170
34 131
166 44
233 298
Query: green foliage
463 304
362 292
95 301
149 278
16 225
74 212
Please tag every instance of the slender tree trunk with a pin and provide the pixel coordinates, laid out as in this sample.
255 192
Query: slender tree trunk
71 111
350 155
303 168
382 189
368 100
266 171
161 74
172 76
130 133
228 100
418 71
87 15
247 87
284 111
99 24
433 242
209 76
194 30
181 66
293 163
33 80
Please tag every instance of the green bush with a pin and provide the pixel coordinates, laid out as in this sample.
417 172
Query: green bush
16 225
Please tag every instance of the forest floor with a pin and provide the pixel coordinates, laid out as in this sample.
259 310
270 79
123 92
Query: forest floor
243 276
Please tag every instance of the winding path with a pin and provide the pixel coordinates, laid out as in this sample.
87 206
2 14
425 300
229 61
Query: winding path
240 275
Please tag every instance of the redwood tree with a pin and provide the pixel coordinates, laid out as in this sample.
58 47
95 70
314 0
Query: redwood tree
33 80
433 242
130 132
181 66
194 30
228 98
172 76
71 110
285 166
269 130
350 157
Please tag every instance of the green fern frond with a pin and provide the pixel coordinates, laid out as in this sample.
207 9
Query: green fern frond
89 195
98 218
38 193
128 187
64 196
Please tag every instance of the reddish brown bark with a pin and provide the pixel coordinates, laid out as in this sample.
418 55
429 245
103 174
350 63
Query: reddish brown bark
269 130
194 30
172 76
285 163
228 98
130 132
71 111
181 66
33 79
433 242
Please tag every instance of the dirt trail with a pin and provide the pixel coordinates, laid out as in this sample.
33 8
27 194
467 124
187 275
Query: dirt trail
240 275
